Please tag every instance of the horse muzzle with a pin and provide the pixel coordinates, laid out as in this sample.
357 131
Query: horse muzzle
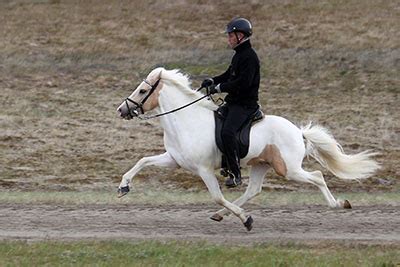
127 114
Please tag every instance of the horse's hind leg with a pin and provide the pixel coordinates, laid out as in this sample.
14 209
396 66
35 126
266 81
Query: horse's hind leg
316 178
257 174
211 182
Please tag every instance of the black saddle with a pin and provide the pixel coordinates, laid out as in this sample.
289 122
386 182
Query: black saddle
242 136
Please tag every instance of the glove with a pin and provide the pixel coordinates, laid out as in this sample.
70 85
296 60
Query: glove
213 89
207 83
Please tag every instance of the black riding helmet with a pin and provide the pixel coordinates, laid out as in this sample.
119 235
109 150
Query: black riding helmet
240 25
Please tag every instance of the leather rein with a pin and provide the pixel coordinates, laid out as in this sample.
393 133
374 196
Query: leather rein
133 111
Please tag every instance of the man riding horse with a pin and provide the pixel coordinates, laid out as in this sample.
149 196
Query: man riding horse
241 81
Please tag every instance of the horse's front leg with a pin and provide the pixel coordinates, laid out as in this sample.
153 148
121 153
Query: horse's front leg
163 160
211 182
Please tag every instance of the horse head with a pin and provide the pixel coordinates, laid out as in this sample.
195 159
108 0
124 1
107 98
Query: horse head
143 98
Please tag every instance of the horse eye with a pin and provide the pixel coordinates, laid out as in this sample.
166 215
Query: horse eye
142 91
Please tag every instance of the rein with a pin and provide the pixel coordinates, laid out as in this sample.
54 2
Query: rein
173 110
134 113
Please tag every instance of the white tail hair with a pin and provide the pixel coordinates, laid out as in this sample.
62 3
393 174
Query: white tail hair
322 146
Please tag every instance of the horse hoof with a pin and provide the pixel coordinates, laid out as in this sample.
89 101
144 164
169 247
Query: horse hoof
216 217
248 223
346 204
122 191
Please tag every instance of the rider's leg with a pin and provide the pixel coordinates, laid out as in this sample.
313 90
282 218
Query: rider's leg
236 116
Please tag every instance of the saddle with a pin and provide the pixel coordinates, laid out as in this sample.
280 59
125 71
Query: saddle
242 136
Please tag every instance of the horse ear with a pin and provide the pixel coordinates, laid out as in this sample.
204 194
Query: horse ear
158 72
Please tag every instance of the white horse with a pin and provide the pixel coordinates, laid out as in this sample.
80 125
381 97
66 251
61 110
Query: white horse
275 142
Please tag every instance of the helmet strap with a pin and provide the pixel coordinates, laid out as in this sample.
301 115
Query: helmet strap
237 38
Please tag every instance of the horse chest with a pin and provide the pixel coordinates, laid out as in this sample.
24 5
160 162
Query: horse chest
185 151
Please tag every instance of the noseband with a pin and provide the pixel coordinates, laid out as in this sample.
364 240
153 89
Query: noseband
133 112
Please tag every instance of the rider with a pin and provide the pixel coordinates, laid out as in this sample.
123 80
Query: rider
241 81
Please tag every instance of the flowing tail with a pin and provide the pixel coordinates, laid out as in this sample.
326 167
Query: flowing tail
321 145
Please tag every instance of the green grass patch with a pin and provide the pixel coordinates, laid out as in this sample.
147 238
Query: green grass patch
152 253
180 197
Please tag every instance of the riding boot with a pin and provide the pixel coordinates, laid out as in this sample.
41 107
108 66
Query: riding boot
235 177
224 171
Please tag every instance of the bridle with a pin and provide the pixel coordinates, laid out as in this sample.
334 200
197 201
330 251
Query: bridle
133 111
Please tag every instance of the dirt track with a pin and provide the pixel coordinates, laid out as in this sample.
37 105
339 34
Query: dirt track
305 224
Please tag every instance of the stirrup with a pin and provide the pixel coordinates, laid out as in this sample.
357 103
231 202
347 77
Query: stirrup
224 172
233 181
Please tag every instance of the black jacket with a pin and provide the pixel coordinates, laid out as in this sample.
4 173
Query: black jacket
242 79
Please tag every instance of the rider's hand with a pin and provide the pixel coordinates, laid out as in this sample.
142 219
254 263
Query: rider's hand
213 89
207 83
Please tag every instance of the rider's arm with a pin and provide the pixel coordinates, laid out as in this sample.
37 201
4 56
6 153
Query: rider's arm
248 68
223 77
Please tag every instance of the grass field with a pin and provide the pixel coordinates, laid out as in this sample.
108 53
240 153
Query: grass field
191 254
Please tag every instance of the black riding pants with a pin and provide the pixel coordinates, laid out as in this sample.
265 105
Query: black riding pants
236 116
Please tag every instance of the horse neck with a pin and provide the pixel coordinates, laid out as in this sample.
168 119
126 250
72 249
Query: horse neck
172 98
188 133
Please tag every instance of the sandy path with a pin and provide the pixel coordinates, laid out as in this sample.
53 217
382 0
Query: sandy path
372 224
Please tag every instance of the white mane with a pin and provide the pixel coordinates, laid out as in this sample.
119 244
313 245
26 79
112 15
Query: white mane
180 80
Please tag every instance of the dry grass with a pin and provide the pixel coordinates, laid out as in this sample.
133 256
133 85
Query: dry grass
66 65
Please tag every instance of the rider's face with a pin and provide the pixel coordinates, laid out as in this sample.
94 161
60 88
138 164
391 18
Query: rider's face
232 40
